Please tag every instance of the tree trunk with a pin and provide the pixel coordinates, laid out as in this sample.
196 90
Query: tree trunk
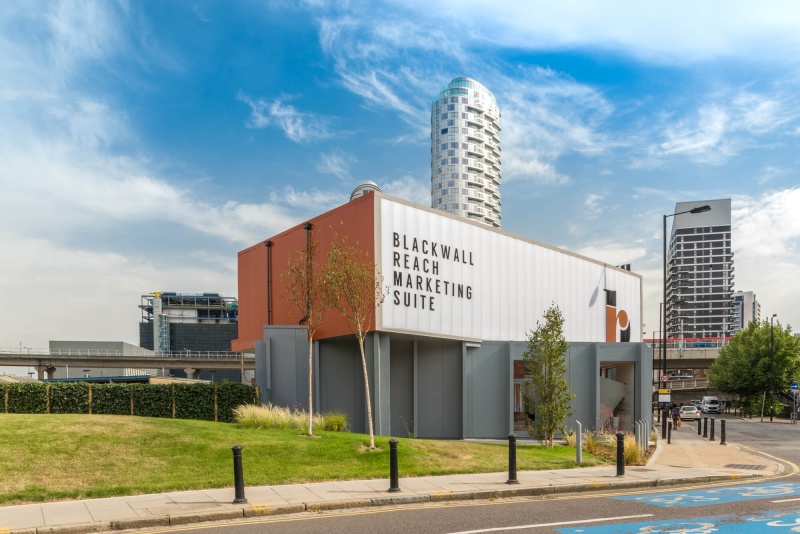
366 387
310 388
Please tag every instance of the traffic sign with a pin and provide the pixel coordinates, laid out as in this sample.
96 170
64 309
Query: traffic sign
665 378
794 385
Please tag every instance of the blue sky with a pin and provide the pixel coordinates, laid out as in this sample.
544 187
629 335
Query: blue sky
145 143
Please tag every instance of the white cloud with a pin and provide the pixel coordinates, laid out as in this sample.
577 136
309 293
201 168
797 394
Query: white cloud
298 126
77 294
409 188
336 163
592 205
667 33
767 245
313 202
719 130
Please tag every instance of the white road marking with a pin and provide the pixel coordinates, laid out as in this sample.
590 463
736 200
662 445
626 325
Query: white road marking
559 524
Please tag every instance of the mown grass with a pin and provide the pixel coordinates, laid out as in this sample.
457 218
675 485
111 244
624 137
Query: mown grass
52 457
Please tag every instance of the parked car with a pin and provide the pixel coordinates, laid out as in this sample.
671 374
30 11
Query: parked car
710 405
696 403
690 413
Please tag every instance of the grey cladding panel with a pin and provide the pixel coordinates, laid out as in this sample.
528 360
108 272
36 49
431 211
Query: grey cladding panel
488 391
402 387
342 386
439 389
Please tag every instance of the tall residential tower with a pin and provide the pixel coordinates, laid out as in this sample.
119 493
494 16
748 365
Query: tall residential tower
465 152
700 271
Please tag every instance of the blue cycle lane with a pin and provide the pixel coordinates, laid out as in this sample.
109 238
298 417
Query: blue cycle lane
772 521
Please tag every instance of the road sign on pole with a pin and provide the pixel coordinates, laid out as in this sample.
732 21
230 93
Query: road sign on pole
794 385
665 378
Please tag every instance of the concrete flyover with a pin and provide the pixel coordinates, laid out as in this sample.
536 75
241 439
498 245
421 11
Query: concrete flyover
46 361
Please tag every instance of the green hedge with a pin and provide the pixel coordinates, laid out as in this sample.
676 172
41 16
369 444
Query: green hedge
200 400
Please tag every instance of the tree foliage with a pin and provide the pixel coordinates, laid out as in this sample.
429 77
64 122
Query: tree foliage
310 295
359 286
745 366
545 363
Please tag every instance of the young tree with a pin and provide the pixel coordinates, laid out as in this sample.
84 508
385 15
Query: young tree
545 362
359 286
310 295
747 367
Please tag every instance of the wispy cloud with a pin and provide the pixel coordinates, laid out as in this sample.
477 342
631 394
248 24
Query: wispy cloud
314 201
719 130
297 125
409 188
336 163
706 31
592 205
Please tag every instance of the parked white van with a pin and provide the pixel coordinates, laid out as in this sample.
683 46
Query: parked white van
710 405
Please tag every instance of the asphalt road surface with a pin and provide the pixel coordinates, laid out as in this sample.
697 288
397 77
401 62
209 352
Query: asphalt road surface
761 506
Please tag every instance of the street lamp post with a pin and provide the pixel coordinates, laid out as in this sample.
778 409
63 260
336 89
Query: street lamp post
771 363
699 209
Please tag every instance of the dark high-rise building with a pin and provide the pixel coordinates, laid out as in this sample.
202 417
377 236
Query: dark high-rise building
700 271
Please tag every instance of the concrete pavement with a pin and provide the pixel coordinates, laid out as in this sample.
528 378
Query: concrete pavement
688 459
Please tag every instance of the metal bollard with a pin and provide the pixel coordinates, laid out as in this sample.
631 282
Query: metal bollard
669 433
512 459
705 427
722 432
664 426
711 437
699 425
579 444
620 454
238 477
394 477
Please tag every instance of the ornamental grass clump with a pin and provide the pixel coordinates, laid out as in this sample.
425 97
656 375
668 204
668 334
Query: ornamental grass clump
281 418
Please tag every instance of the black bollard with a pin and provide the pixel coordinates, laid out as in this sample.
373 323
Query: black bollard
238 477
669 433
711 437
722 432
699 424
705 427
620 454
394 477
512 459
664 426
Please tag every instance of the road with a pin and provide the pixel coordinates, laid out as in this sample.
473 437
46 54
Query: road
770 505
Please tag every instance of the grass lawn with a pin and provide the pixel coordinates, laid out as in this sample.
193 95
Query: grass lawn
51 457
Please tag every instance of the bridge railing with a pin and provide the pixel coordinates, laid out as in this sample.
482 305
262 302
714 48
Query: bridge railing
121 354
687 383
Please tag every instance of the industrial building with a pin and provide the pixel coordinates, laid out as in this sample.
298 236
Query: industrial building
189 322
444 350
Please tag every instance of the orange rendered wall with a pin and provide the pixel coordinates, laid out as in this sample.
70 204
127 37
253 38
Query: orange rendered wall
357 222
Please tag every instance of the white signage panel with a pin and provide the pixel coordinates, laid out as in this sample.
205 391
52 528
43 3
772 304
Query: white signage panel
451 278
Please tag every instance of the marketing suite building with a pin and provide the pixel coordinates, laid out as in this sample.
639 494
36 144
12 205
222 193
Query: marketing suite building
445 350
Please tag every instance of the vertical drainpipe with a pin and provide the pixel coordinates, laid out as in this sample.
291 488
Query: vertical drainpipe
269 282
307 227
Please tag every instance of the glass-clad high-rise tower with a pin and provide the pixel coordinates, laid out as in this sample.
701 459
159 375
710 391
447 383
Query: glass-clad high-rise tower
465 152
